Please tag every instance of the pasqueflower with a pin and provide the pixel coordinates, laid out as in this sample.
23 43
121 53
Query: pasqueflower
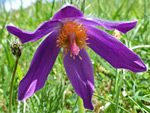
70 30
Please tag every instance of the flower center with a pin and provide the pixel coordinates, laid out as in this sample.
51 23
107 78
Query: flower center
72 38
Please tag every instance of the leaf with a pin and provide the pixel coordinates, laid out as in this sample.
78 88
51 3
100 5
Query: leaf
142 98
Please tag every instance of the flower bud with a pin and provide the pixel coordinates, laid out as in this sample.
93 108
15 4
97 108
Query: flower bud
16 48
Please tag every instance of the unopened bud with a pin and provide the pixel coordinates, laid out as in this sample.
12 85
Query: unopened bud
16 48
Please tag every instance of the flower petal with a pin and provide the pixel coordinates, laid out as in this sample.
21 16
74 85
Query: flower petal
113 51
68 11
81 75
43 29
40 67
123 27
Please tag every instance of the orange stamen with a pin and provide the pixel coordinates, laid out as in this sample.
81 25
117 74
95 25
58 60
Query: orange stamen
72 37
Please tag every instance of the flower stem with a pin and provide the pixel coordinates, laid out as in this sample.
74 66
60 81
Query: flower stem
118 86
80 104
11 85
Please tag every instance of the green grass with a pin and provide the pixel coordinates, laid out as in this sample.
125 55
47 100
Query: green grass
111 85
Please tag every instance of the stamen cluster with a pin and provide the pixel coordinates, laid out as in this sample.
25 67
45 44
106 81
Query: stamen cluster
72 37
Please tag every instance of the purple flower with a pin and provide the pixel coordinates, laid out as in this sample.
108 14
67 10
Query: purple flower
72 31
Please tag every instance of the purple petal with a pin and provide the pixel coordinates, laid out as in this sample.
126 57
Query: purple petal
68 12
81 76
113 51
40 67
123 27
43 29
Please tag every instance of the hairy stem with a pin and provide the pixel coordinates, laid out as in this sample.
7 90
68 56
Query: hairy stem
11 85
119 84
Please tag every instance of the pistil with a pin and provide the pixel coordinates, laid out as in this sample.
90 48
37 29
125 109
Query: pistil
72 38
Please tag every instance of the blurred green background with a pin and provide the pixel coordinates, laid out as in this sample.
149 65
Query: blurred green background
131 91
